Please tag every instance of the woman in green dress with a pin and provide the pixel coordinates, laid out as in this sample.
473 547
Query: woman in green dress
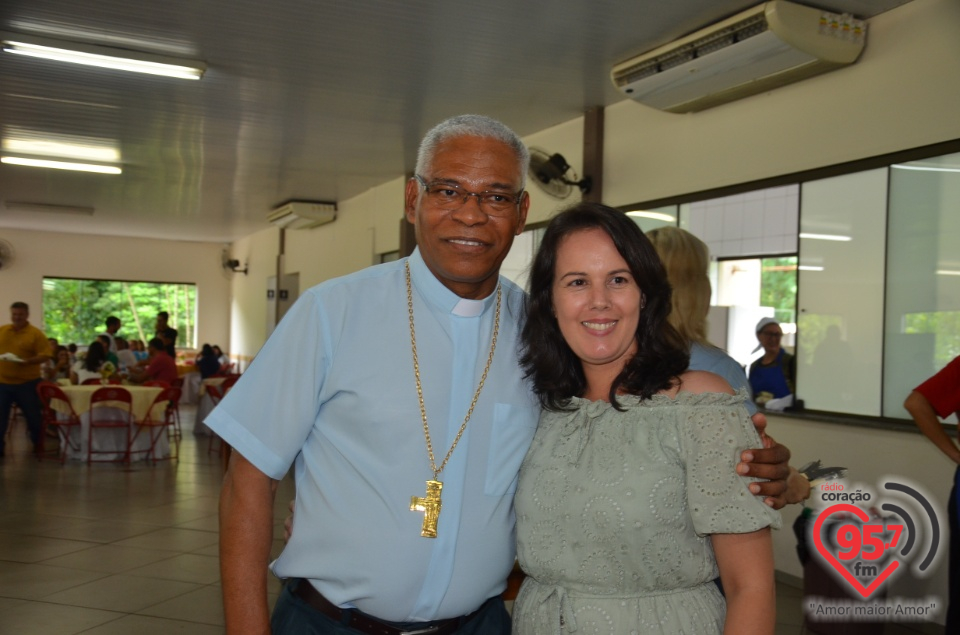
628 504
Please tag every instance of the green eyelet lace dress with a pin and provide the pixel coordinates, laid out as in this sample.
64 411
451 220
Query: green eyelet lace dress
614 511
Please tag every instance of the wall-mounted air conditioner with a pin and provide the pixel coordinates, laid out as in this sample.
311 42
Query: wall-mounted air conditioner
302 214
770 45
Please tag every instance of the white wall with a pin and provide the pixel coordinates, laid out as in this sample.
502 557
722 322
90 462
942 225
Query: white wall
51 254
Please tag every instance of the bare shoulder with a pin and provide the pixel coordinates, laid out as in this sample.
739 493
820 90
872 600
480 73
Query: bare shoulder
700 381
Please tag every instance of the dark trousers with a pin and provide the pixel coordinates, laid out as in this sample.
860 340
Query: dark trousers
25 396
293 616
953 580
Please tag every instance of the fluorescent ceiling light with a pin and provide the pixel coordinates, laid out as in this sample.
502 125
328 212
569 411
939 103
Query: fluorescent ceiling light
60 148
62 165
947 272
654 215
809 268
835 237
924 168
102 56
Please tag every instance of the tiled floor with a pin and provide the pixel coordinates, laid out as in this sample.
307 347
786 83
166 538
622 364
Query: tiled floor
114 550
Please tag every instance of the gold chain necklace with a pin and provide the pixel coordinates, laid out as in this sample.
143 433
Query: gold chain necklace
430 504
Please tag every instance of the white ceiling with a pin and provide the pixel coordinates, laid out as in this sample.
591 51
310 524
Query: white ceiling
302 99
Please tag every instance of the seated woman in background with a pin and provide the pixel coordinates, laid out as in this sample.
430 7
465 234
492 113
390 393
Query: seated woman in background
60 368
89 366
207 362
139 351
628 503
225 364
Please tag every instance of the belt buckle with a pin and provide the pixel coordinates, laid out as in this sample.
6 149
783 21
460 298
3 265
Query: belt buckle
421 631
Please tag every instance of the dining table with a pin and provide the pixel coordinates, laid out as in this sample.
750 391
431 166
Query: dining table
112 440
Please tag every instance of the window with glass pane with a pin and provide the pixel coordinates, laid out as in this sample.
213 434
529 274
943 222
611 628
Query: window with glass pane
922 330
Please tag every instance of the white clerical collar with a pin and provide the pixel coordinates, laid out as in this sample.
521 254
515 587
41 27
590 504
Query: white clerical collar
468 308
434 291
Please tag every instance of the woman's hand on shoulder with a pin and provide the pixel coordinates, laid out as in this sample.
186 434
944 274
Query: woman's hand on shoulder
701 381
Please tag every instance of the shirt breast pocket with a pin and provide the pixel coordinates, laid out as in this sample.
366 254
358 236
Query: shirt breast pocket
513 429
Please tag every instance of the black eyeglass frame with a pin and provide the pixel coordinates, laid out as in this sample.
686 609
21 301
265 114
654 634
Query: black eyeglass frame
467 194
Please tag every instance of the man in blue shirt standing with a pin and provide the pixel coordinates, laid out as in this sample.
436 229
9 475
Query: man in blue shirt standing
396 394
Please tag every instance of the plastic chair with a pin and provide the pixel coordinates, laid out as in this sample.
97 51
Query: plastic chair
110 397
169 395
48 391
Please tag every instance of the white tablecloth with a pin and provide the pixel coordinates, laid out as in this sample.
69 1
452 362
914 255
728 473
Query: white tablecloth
113 440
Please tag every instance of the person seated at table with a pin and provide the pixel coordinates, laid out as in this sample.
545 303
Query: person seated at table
225 364
207 362
111 356
89 366
60 368
138 350
124 354
161 366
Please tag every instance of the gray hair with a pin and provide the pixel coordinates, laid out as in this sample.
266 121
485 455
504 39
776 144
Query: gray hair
472 126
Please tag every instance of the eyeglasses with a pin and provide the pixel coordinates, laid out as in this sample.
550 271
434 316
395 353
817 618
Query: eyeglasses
450 196
771 334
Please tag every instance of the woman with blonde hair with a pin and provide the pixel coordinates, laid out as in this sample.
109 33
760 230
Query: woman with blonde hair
686 259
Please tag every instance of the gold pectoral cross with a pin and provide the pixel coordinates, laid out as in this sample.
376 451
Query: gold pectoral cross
430 506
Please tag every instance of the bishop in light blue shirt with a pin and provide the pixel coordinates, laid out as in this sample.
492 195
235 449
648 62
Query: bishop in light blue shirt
333 393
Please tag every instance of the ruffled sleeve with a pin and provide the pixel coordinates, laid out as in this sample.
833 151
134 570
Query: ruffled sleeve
714 429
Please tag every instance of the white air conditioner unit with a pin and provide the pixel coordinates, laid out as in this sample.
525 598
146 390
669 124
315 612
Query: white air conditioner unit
302 214
770 45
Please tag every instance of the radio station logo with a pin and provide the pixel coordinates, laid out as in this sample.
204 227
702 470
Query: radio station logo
867 543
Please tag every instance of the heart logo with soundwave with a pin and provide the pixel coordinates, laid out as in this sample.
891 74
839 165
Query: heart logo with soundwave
829 556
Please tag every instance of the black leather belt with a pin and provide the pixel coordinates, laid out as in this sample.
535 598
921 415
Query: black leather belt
364 623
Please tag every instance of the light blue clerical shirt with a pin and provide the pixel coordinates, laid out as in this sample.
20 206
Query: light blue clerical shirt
333 392
715 360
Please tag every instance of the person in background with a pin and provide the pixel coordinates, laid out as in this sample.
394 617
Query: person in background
207 362
72 347
940 396
113 325
628 502
111 356
225 363
89 367
161 367
124 354
686 259
47 367
776 371
60 368
167 334
23 350
138 350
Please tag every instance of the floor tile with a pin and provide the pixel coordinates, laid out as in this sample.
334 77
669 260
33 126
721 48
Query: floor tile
109 558
42 618
205 605
146 625
122 593
187 567
20 548
36 581
172 539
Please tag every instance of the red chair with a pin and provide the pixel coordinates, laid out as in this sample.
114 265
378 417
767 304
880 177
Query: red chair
110 397
169 395
48 391
216 394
